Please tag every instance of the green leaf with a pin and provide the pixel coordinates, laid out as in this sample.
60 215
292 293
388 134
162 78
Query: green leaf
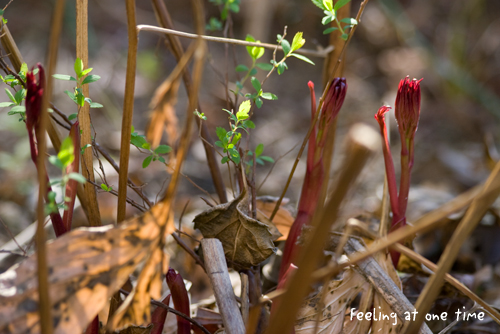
329 30
256 84
234 7
264 66
340 3
241 68
6 104
259 149
253 71
73 116
266 158
71 95
297 41
147 161
301 57
95 105
90 78
87 71
9 94
56 162
244 108
17 110
219 143
105 187
344 36
63 77
281 68
327 19
20 94
146 146
67 152
258 102
77 177
224 160
78 67
163 149
80 99
319 3
269 96
161 159
328 5
286 47
249 124
138 141
236 138
349 20
221 132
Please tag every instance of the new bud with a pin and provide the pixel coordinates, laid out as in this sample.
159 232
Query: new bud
407 107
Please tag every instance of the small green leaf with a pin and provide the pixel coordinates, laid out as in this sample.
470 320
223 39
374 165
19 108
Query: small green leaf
63 77
327 19
340 3
319 3
253 71
84 148
249 124
6 104
258 102
20 94
161 159
266 158
78 67
105 187
286 47
146 146
256 83
264 66
163 149
95 105
344 36
90 78
73 116
87 71
259 149
219 143
66 153
17 110
147 161
328 5
349 20
269 96
9 94
56 162
71 95
234 7
301 57
80 99
329 30
77 177
241 68
281 68
224 160
244 108
24 68
221 132
297 41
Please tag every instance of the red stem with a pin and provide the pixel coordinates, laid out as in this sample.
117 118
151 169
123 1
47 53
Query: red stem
180 299
159 316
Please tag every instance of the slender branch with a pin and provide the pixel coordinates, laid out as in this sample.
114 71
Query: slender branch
305 52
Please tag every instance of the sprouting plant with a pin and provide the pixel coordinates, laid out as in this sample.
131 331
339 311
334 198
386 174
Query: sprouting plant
77 94
106 188
227 6
330 11
140 142
259 158
19 95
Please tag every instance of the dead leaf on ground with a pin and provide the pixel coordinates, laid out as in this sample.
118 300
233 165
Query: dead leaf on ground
283 219
246 241
86 267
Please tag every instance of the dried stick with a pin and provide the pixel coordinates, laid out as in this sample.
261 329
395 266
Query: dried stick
304 52
94 216
362 143
474 214
215 262
44 307
128 109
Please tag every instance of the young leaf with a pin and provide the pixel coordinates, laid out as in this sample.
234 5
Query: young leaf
17 110
329 30
340 3
281 68
297 41
221 132
6 104
349 20
264 66
219 143
301 57
163 149
56 162
258 102
24 68
87 71
249 124
269 96
259 149
319 3
266 158
244 108
286 47
90 78
9 94
19 96
63 77
73 116
147 161
236 138
241 68
71 95
78 67
224 160
77 177
105 187
66 153
344 36
327 19
256 83
328 5
95 105
253 71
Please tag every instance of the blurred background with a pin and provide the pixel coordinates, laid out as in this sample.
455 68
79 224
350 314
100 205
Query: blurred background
453 45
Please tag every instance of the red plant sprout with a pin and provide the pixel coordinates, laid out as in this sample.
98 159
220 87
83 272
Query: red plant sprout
315 173
180 298
34 94
159 316
407 112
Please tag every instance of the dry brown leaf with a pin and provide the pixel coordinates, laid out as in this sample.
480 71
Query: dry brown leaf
163 113
283 219
137 330
246 241
86 267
